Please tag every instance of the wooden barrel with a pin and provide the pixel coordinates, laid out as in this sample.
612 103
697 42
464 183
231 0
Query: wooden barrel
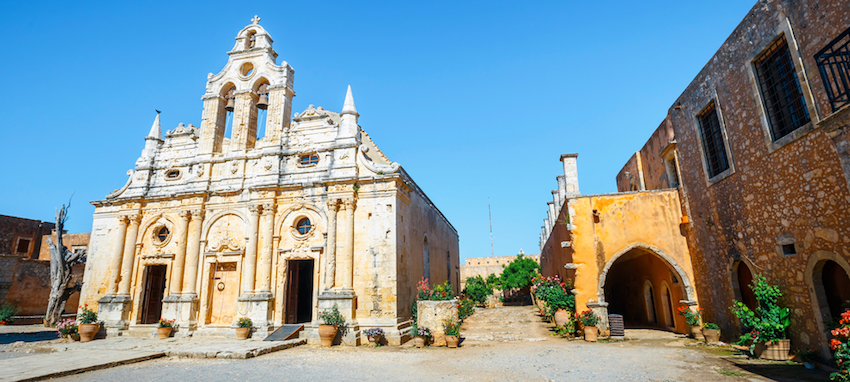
617 326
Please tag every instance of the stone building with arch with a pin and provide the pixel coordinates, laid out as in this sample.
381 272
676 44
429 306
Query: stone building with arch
754 157
265 215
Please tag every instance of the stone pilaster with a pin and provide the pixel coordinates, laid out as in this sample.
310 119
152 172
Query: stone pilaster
213 124
258 304
244 134
249 267
347 255
176 306
180 257
129 255
330 267
118 250
114 309
193 251
264 271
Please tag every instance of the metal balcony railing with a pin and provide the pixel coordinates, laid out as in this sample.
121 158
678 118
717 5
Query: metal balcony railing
834 67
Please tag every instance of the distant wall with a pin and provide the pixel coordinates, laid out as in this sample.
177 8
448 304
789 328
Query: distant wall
25 283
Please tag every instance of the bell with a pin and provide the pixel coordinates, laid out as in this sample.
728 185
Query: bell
230 105
263 102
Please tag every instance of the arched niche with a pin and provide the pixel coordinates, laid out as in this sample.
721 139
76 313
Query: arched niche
820 295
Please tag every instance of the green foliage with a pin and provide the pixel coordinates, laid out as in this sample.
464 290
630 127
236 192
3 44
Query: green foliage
7 314
494 282
332 317
768 321
465 308
691 318
87 316
588 318
478 290
710 326
554 292
451 328
518 273
244 322
442 292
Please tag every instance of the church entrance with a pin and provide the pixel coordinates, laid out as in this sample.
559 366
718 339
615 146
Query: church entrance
154 291
643 288
224 290
299 291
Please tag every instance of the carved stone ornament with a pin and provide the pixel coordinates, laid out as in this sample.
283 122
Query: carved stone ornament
234 167
114 194
224 244
309 114
375 167
267 163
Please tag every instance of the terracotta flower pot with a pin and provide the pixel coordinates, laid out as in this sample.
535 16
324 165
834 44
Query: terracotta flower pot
696 332
712 336
591 333
419 342
327 334
773 350
452 341
74 337
562 316
242 333
88 331
164 332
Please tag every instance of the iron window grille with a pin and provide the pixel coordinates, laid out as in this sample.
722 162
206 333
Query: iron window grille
834 67
304 226
712 141
780 90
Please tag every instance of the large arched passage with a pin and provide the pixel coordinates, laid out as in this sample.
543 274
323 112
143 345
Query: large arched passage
645 289
833 286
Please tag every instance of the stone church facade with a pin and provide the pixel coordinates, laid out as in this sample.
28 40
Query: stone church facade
276 227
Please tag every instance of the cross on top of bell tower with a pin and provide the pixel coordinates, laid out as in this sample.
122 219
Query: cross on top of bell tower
255 20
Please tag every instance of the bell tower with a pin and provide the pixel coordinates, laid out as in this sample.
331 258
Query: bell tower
250 86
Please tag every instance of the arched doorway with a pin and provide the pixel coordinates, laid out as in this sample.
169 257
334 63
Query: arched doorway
628 290
833 286
742 277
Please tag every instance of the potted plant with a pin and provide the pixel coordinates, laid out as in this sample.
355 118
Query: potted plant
808 358
767 322
711 333
422 336
374 335
88 324
692 319
589 320
332 319
163 328
243 328
452 331
7 314
68 329
840 345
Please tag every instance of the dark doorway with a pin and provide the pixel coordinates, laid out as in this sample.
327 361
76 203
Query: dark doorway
745 278
154 291
642 288
299 291
836 284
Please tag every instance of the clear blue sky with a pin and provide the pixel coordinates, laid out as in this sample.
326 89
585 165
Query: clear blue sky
474 99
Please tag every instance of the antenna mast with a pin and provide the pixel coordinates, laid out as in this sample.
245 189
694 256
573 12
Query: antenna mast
490 214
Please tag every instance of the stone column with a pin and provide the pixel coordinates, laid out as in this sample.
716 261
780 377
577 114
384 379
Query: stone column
180 257
330 267
129 255
193 250
347 254
115 269
264 271
249 267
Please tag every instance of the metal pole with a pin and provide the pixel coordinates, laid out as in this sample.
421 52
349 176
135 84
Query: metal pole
490 214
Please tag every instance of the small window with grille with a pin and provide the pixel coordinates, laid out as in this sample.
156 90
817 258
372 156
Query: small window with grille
304 226
309 160
712 141
780 90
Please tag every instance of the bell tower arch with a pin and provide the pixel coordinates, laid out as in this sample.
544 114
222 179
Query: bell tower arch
249 83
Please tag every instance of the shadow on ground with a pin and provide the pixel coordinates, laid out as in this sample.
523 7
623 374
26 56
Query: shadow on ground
780 371
6 339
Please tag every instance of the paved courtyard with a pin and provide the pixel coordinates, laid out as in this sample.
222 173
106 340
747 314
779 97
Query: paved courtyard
501 344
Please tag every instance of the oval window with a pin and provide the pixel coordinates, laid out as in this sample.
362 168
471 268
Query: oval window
162 234
172 174
304 226
309 160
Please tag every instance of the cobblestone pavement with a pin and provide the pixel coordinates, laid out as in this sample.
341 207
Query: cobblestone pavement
501 344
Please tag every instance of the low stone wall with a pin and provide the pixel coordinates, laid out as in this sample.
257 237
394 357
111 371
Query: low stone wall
25 283
432 314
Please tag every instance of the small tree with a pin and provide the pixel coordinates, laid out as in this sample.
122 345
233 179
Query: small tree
518 274
61 262
477 289
493 282
768 321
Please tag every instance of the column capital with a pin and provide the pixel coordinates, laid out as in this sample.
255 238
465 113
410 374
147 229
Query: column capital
123 220
333 204
268 209
184 215
348 203
134 218
197 214
254 209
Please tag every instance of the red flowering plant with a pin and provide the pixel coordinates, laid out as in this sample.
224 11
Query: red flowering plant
424 292
691 317
554 292
840 345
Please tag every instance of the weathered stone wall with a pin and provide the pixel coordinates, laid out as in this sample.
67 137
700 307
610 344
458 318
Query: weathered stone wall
73 241
25 283
791 192
14 228
647 168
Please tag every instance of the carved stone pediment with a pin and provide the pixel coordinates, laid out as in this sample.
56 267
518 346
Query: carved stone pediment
310 113
224 244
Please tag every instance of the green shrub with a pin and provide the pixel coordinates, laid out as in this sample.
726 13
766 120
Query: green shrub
478 290
7 314
518 273
87 316
332 317
465 308
768 321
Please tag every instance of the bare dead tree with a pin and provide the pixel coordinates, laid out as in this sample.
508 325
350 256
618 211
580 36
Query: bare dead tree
61 262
